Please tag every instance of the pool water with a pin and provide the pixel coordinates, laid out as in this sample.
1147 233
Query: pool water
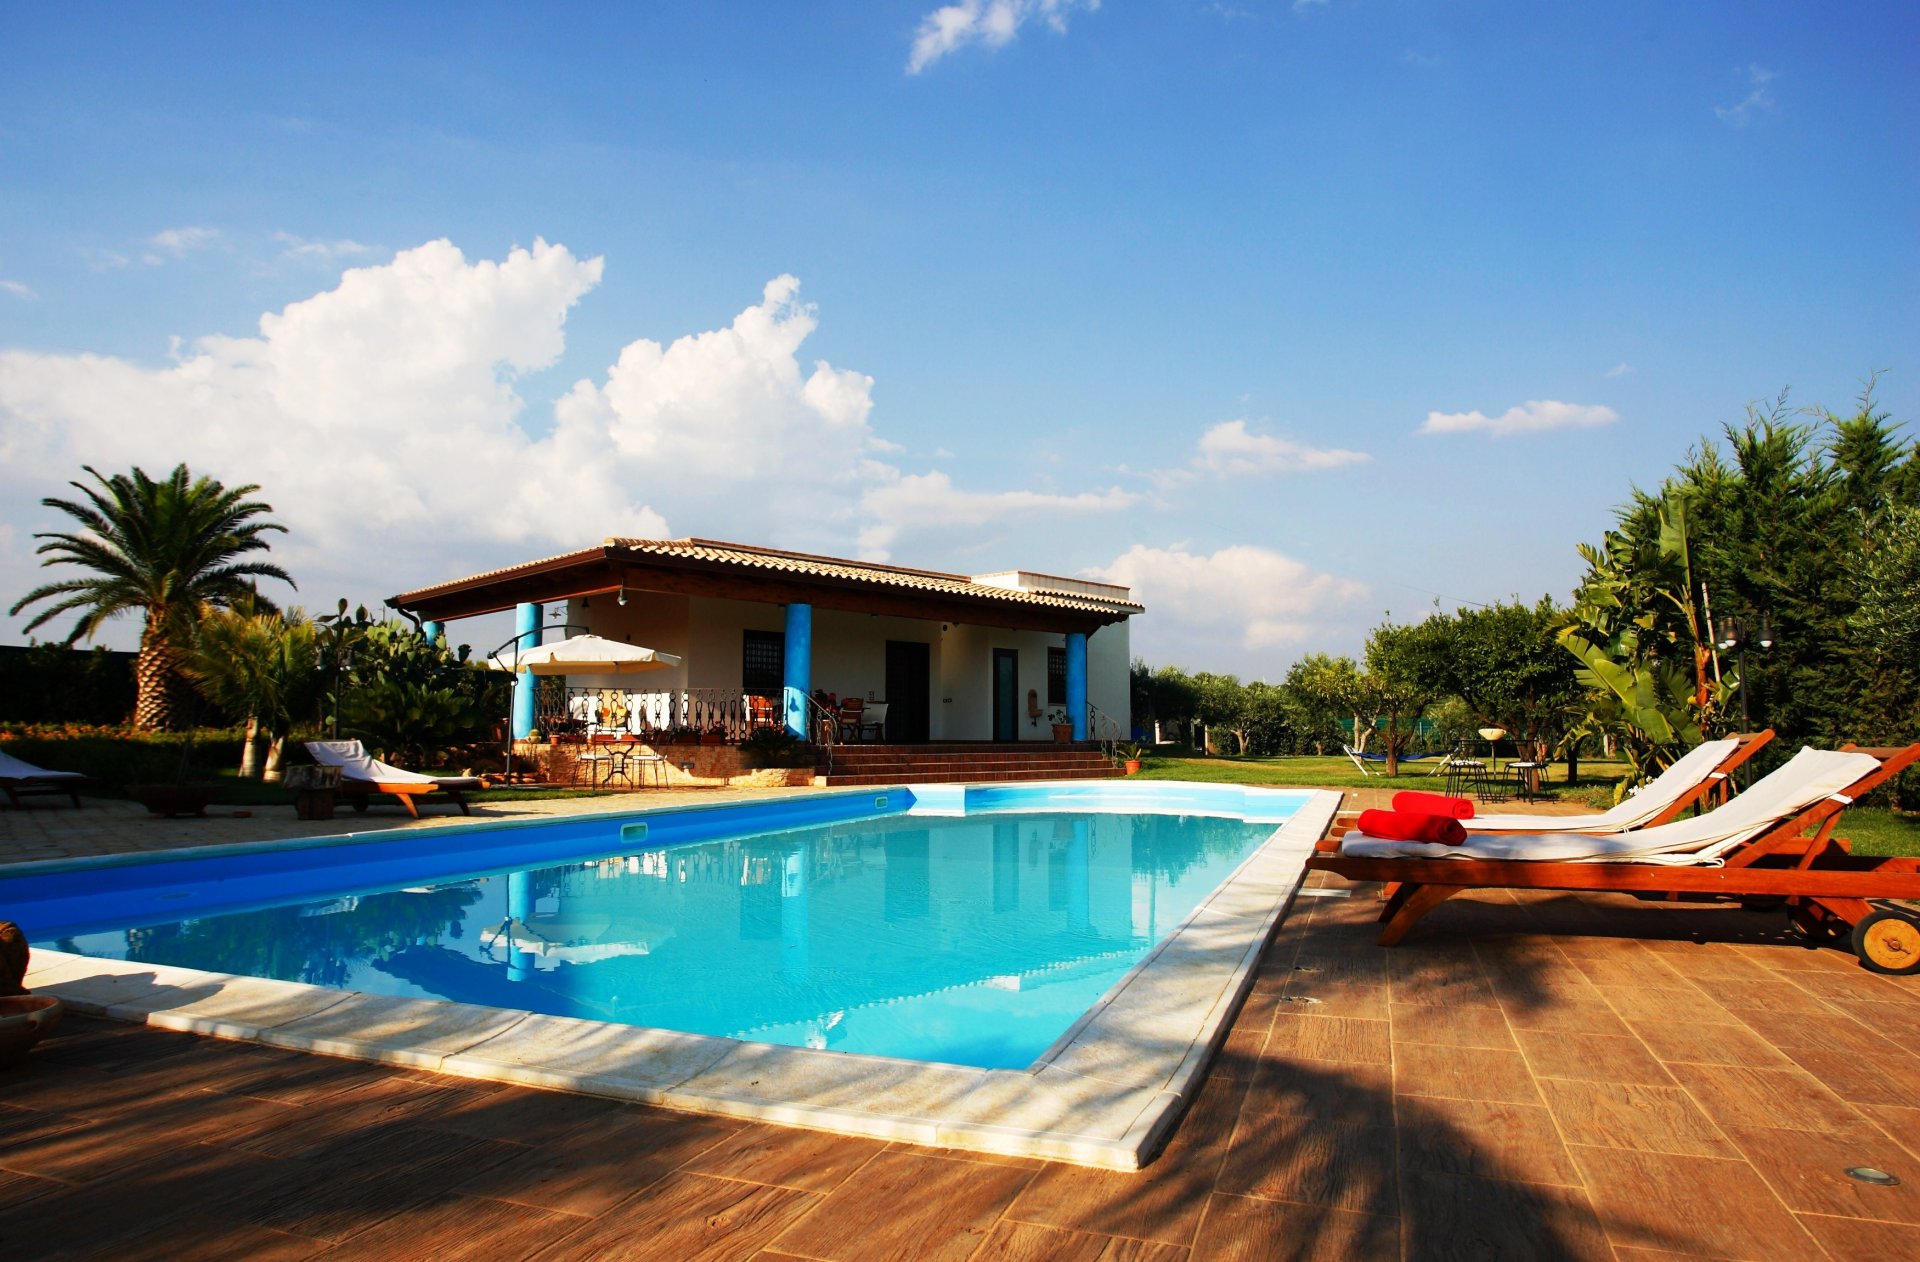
974 940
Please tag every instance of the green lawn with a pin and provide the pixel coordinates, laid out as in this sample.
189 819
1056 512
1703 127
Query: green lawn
1873 830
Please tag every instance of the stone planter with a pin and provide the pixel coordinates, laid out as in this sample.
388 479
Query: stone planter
24 1021
169 800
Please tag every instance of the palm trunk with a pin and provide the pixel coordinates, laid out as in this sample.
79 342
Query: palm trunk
156 676
250 747
276 750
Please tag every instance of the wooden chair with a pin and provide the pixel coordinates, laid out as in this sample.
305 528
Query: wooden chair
848 717
1825 887
761 713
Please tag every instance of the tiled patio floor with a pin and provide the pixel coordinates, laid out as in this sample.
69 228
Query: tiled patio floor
1522 1079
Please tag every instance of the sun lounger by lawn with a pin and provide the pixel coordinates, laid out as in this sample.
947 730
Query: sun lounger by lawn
1691 778
1361 760
22 779
362 776
1774 840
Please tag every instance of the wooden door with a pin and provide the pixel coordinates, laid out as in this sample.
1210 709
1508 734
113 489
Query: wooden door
909 691
1006 694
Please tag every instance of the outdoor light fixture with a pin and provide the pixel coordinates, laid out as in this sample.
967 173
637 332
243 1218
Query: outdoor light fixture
1867 1174
1733 636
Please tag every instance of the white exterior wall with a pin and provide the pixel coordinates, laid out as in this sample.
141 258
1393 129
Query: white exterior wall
850 656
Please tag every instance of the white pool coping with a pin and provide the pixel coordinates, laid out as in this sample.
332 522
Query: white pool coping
1108 1093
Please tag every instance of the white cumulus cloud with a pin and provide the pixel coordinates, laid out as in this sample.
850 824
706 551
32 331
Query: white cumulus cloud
1231 450
1532 417
384 422
898 504
990 23
178 243
19 289
1758 99
300 249
1246 605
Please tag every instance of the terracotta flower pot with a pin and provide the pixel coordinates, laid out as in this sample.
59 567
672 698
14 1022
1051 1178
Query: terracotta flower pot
173 799
24 1021
1062 733
1133 766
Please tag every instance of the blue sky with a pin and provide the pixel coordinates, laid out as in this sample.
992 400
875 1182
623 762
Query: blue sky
1287 314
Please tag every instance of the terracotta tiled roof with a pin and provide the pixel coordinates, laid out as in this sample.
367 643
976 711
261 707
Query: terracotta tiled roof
750 557
736 556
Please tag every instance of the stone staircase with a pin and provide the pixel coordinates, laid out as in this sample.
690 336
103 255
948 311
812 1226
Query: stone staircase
963 762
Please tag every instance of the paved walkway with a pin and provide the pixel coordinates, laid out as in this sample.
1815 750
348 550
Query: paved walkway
1531 1076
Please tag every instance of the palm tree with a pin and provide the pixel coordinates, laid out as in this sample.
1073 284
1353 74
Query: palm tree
165 549
263 665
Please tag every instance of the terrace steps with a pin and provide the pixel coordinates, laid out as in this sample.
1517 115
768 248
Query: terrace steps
963 763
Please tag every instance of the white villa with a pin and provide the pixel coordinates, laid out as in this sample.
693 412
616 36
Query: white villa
764 635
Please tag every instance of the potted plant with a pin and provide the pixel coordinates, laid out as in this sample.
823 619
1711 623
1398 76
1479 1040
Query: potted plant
1062 728
1130 756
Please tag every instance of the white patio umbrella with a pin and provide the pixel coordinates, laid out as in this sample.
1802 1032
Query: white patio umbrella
584 655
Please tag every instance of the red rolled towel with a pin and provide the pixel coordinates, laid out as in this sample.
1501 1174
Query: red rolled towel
1414 802
1402 826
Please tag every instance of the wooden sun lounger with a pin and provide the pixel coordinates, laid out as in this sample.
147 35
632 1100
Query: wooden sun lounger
1825 886
41 786
1713 790
360 792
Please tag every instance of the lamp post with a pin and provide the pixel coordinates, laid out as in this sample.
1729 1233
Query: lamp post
1734 634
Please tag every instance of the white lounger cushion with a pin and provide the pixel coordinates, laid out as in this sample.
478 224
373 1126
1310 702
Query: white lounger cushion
12 768
356 764
1630 812
1810 775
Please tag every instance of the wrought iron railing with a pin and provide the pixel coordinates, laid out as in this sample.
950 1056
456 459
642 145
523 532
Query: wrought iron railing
560 712
1104 728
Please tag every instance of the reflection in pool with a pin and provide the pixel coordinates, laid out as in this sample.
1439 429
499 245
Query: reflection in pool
974 940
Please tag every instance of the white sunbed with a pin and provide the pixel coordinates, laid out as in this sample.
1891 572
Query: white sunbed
1809 776
363 775
1686 775
19 778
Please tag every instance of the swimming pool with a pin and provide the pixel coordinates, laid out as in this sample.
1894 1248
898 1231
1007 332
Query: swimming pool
1090 938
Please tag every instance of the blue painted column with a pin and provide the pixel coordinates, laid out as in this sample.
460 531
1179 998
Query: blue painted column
1080 877
799 674
1077 683
527 627
432 630
519 911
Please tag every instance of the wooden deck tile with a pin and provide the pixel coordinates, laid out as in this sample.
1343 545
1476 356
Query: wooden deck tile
1241 1229
1451 1027
97 1149
1462 1073
1592 1057
902 1205
1162 1202
1708 1043
596 1166
1891 1077
1808 1172
1551 1012
1347 1040
1622 1115
1854 1238
1447 1218
1482 1139
1774 995
1026 1242
1667 1003
1690 1205
1322 1089
811 1161
1735 1096
1313 1161
456 1228
1902 1123
688 1218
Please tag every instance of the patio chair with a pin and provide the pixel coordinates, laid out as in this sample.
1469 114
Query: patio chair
362 776
1773 841
20 779
847 717
1694 776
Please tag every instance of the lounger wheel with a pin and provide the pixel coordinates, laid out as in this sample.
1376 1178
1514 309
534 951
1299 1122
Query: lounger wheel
1888 942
